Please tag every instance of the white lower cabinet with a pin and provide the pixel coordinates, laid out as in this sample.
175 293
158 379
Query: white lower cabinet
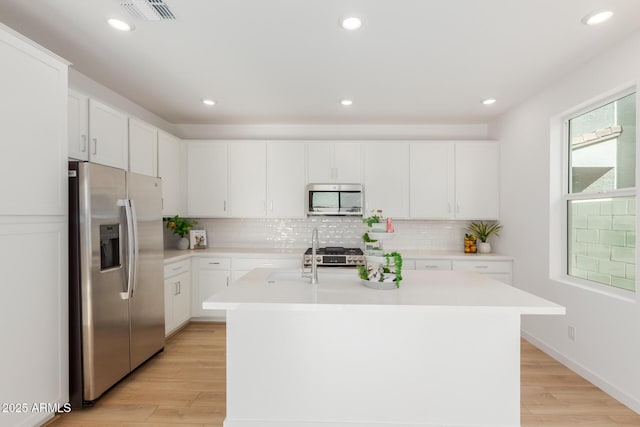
213 275
177 295
433 264
499 270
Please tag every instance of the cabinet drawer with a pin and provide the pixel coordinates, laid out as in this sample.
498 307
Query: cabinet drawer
214 263
433 264
483 266
251 263
177 268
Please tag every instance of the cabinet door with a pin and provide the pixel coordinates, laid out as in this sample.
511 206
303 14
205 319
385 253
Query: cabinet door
33 133
320 167
209 283
108 133
285 180
169 294
347 162
477 186
247 179
386 178
78 126
431 180
207 179
170 168
143 148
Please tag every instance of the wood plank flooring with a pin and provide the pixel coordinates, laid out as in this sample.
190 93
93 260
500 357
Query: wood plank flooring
185 386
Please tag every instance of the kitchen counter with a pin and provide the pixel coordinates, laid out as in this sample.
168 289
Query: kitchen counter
171 255
443 349
176 255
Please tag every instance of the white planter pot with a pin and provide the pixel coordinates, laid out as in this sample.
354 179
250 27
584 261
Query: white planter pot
484 247
183 243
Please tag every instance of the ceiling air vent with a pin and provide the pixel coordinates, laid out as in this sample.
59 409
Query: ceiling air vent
149 10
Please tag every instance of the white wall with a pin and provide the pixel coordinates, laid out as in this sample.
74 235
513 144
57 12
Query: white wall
606 349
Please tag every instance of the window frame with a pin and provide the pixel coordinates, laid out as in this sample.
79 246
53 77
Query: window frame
567 196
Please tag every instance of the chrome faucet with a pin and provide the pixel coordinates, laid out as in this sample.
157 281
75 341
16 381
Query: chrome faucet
314 262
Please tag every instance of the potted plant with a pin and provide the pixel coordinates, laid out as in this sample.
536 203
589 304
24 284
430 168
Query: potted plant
180 227
483 231
374 221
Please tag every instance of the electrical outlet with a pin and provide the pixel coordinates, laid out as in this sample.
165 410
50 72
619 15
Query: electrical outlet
572 333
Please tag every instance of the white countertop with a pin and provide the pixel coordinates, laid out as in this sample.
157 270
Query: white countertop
273 289
171 255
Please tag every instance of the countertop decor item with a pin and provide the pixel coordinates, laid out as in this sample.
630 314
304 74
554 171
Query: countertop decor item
483 231
382 269
180 227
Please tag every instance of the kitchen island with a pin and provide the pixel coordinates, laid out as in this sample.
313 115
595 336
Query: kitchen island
443 350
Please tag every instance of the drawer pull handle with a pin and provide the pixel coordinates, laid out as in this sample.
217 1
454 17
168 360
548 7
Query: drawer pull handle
482 266
214 263
177 268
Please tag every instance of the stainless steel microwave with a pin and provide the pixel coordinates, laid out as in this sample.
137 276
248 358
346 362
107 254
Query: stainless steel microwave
334 199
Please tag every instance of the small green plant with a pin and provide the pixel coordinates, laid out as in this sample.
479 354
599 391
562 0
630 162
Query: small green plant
179 226
362 272
367 239
483 231
374 218
397 263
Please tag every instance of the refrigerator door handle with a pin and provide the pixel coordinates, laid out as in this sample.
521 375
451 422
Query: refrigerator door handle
134 264
126 203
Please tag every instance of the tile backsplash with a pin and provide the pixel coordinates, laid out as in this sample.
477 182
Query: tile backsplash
333 231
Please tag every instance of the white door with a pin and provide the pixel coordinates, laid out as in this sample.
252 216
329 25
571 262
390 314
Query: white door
170 169
320 168
347 162
432 180
247 179
78 126
477 185
207 179
386 178
143 148
285 180
210 282
108 136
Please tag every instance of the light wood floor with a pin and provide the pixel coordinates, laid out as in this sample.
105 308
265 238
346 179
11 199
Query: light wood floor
185 386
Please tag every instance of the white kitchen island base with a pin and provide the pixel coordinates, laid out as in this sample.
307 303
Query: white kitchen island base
390 360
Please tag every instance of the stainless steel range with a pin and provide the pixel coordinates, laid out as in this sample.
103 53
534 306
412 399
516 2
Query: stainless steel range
336 257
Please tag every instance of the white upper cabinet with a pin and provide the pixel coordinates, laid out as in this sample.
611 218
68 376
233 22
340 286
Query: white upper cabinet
33 106
171 158
143 148
454 180
108 135
477 180
285 180
247 179
78 126
207 179
386 178
432 180
334 162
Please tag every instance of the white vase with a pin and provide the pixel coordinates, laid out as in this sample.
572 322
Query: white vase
183 243
484 247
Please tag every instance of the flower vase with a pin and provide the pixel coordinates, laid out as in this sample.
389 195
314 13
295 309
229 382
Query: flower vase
183 243
484 247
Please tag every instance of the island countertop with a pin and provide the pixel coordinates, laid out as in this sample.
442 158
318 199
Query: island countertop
266 288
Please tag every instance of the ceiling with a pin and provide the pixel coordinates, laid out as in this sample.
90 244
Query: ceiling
289 61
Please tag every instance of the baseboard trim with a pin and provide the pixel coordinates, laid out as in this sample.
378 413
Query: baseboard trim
585 373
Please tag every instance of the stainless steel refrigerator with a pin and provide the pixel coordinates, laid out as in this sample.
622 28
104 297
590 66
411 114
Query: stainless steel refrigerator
116 298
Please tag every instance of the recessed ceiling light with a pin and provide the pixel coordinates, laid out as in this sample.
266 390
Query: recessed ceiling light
209 102
351 23
598 17
489 101
119 24
346 102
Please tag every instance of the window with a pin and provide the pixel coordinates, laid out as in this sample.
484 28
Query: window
600 198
